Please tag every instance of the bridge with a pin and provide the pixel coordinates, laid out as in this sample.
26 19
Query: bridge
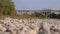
42 12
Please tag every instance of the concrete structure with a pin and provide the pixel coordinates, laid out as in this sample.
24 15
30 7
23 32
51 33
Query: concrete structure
42 12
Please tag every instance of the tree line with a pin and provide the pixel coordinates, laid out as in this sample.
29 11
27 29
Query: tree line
52 15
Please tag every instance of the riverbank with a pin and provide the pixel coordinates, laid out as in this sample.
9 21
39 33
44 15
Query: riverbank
28 26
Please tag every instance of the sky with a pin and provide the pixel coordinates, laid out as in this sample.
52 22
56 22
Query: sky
37 4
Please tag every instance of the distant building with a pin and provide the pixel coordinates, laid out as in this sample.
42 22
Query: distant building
43 12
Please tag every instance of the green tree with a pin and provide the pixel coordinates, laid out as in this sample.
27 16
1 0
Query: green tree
7 7
53 15
58 16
